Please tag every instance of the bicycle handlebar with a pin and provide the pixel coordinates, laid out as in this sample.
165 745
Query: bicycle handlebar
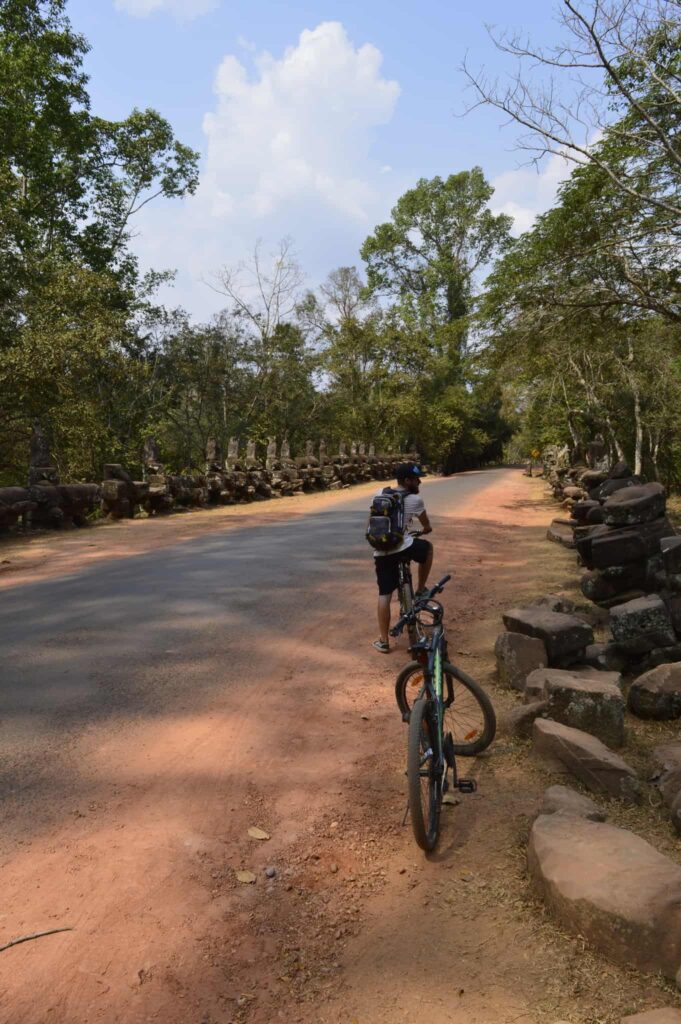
418 605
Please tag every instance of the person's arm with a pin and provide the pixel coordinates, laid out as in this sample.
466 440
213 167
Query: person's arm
425 522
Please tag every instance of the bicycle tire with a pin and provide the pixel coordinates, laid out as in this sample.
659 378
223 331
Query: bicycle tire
456 722
420 770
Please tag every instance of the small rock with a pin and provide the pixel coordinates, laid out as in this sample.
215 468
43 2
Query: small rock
563 800
258 833
334 869
271 872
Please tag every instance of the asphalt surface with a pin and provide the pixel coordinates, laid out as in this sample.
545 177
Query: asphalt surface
167 630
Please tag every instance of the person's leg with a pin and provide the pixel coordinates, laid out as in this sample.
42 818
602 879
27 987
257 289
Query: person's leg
422 554
384 616
387 579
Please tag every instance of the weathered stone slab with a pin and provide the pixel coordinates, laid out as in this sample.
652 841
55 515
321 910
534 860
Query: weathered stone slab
563 635
600 769
604 657
590 703
610 487
560 533
612 887
642 624
584 539
541 680
563 800
657 693
517 655
635 505
667 779
671 554
581 509
658 656
519 720
614 585
630 544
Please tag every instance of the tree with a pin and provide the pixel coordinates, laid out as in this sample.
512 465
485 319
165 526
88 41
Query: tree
440 234
619 71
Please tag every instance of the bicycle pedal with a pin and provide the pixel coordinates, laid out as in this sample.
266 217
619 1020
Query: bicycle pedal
467 786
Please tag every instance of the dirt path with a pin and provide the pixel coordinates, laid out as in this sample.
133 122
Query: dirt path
131 824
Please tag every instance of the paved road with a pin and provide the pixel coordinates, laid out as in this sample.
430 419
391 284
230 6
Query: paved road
72 647
149 706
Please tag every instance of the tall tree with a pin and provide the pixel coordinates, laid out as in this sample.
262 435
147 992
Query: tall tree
440 234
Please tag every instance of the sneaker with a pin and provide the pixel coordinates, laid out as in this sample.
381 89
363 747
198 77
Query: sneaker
382 646
421 594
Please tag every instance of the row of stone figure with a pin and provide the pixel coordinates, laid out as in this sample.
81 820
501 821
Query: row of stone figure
237 478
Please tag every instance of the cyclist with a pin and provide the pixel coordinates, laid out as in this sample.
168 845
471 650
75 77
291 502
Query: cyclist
415 549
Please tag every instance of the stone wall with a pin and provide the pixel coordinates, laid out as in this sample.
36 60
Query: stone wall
238 476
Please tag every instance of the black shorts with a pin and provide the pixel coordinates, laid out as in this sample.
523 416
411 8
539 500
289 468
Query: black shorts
387 571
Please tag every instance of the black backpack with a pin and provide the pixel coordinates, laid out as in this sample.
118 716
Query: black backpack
386 526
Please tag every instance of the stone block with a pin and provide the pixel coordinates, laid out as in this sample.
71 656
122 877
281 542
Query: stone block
563 800
519 720
634 505
588 759
603 491
563 635
612 887
560 533
555 603
630 544
658 656
640 625
671 554
584 541
605 658
657 693
517 655
581 510
614 585
590 703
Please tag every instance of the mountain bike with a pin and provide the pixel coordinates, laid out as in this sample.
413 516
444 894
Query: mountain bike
431 750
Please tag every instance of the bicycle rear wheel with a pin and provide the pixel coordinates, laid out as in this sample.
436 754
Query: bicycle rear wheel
423 775
468 711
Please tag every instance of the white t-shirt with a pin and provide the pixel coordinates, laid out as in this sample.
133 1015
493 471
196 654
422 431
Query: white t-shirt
413 506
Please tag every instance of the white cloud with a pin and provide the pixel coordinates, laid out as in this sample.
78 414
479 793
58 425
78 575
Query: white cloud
526 192
301 127
288 153
182 10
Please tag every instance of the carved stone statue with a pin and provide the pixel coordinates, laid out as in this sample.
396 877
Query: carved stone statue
250 452
372 451
342 450
309 450
40 448
362 449
213 454
232 451
285 451
322 452
353 449
152 455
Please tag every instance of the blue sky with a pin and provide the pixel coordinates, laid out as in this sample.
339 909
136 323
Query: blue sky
311 118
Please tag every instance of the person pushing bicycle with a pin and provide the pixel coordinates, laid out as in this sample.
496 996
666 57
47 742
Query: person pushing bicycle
410 548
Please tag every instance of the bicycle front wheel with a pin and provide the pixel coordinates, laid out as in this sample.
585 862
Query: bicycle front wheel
424 775
468 711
